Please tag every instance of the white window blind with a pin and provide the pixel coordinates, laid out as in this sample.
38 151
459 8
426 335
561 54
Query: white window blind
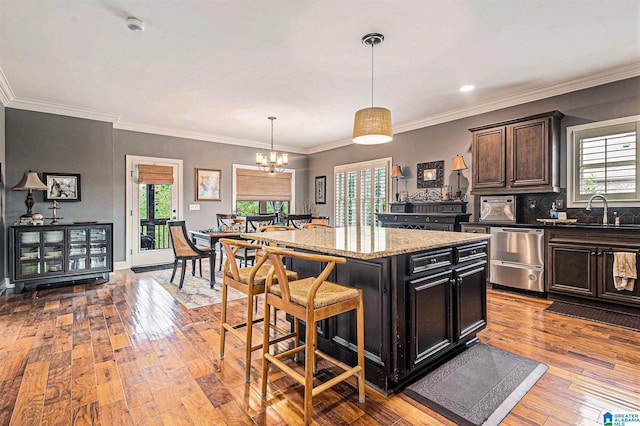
361 190
605 161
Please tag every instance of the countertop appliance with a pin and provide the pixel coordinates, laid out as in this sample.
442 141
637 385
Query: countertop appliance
517 257
498 209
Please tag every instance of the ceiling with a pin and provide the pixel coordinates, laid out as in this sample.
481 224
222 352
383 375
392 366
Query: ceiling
215 70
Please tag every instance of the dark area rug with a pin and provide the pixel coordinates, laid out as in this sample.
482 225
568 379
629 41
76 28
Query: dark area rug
478 387
139 269
604 316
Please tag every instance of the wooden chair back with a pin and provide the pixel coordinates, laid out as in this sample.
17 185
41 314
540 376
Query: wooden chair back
252 223
297 220
180 241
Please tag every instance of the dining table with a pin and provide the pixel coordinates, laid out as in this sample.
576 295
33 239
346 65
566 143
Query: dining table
212 237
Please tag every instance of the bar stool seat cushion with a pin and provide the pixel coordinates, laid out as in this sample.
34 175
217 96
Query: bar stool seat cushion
328 292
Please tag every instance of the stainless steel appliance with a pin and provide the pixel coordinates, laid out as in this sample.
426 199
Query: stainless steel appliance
498 209
517 257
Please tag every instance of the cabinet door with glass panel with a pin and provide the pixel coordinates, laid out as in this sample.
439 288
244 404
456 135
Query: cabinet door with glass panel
88 248
40 252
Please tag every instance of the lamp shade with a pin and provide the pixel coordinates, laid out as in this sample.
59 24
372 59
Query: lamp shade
458 163
372 126
30 180
396 172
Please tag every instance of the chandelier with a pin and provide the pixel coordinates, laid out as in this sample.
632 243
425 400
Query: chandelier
272 163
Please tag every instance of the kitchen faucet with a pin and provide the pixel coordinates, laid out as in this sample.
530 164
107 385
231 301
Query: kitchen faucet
605 220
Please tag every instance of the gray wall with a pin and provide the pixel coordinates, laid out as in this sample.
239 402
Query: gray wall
444 141
195 154
3 165
54 143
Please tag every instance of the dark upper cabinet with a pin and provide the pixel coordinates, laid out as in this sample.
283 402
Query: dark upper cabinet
517 156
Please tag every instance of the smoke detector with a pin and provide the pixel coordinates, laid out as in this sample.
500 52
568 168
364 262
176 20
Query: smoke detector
135 24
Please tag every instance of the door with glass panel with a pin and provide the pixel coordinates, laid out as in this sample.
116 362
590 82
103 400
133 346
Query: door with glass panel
361 191
155 194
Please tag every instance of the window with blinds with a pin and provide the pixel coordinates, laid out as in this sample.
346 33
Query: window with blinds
361 191
605 161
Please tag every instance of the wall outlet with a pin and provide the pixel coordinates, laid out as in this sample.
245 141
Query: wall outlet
194 206
559 203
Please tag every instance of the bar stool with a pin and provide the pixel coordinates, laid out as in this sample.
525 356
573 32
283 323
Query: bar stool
250 281
311 300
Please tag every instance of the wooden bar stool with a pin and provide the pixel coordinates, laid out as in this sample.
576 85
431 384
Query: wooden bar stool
311 300
250 281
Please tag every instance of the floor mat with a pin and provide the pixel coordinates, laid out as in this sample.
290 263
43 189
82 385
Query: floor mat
478 387
140 269
604 316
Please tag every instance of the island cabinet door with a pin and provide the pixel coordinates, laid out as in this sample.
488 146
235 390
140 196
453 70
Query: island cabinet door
470 299
430 318
372 276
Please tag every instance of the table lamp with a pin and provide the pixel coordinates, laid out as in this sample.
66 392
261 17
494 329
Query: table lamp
396 173
29 182
458 165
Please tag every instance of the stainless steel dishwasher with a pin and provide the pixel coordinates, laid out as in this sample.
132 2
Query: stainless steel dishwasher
517 257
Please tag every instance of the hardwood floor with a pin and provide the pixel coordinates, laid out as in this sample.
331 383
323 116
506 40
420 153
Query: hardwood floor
127 353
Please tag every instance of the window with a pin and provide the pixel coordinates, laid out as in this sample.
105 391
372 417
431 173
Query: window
258 192
361 192
603 160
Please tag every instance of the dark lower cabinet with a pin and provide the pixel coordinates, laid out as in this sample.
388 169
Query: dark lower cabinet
52 254
581 264
419 308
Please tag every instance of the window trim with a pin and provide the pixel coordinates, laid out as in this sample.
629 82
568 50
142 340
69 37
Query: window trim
572 162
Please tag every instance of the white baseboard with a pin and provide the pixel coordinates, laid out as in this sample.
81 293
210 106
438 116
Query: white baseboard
121 265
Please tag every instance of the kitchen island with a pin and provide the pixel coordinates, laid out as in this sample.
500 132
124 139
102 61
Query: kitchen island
424 294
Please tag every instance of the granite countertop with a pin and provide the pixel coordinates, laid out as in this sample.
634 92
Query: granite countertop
366 242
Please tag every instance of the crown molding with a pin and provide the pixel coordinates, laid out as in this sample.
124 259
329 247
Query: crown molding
622 73
206 137
59 109
6 93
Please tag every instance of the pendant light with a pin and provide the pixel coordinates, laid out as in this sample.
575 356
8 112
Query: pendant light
272 163
372 125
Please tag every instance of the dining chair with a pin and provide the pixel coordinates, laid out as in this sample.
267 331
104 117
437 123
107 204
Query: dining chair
311 300
251 224
225 220
297 220
184 249
315 225
249 281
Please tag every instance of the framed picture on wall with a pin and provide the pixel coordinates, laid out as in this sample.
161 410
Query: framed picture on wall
321 190
62 186
431 175
208 185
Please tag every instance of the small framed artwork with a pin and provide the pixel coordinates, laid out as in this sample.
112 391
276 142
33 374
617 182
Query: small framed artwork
62 186
208 185
321 190
431 175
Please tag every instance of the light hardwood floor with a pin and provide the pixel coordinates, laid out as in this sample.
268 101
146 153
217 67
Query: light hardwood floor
127 353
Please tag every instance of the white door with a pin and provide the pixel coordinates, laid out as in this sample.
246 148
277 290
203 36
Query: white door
149 207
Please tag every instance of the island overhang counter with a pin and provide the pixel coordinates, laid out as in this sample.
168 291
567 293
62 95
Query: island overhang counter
424 294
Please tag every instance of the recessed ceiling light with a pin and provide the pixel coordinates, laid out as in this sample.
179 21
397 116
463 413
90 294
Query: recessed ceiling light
467 88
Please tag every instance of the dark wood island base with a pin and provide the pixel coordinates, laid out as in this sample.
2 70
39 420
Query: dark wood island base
424 296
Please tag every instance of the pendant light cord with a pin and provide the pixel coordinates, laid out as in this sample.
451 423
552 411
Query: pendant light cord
372 44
